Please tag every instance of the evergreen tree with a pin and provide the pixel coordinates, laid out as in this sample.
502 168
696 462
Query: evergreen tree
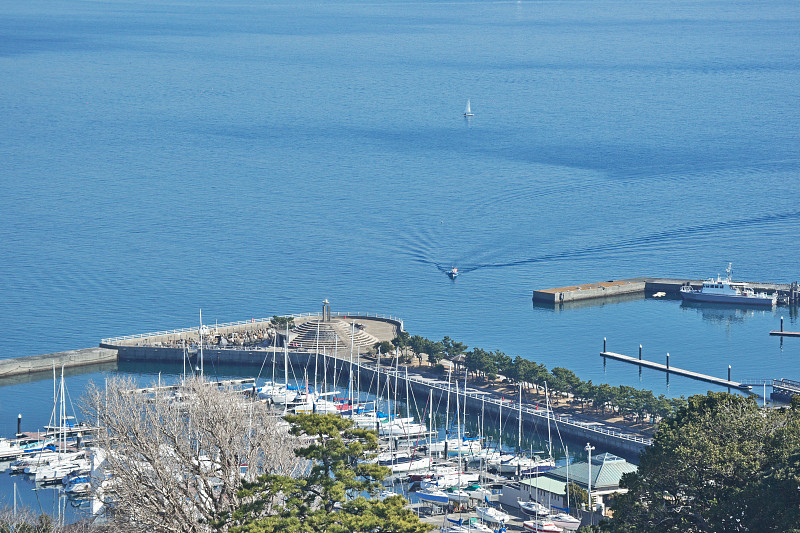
330 497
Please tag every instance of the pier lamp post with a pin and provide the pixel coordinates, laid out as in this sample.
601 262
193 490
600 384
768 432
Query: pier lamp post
589 449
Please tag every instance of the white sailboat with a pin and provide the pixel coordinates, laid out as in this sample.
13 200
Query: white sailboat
468 111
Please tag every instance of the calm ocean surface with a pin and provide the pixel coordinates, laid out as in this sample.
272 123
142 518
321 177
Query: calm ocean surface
254 158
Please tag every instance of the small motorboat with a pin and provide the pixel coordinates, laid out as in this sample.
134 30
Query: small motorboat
452 273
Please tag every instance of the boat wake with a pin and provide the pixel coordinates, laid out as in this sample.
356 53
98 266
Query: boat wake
666 239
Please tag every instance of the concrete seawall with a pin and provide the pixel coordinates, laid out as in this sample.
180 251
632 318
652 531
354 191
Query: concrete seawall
150 354
642 286
45 362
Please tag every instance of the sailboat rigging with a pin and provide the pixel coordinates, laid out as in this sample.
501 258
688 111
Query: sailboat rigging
468 111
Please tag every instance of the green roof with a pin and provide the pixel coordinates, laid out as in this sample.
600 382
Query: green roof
607 470
547 484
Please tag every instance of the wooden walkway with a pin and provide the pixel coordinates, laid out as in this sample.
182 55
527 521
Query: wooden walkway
674 370
785 333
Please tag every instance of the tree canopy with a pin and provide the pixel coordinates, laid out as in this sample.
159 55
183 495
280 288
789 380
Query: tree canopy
720 463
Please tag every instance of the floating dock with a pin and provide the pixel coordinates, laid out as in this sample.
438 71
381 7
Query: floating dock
785 333
669 286
677 371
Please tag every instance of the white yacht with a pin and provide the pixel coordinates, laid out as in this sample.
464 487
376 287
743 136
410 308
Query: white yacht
565 521
532 508
492 514
725 291
541 526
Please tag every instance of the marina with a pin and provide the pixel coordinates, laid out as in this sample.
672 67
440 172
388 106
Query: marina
331 341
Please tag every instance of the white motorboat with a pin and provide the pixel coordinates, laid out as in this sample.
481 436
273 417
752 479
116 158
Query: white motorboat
541 526
532 508
725 291
565 521
492 514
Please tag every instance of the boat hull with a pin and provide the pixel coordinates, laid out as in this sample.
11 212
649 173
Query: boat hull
700 297
541 527
437 497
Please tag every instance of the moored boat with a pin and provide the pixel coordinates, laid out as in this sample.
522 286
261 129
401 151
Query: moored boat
725 291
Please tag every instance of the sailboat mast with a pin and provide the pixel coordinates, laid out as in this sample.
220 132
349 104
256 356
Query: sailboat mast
316 358
201 343
430 416
350 382
549 438
286 369
566 450
63 415
408 398
464 414
458 435
447 414
519 423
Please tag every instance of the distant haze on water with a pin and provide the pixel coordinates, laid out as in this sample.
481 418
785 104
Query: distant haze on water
253 159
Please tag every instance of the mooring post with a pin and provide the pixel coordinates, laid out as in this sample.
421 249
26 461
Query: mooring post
729 372
781 323
19 424
667 361
604 344
640 353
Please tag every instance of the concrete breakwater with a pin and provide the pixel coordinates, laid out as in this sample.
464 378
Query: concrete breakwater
643 286
45 362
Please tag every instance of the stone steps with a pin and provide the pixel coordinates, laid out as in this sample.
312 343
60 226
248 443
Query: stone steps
317 334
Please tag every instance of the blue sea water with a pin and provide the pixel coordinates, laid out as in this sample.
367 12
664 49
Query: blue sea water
253 158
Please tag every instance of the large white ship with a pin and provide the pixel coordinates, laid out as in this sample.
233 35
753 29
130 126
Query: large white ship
725 291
